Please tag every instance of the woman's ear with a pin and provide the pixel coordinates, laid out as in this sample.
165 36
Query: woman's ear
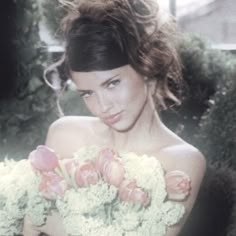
151 86
151 92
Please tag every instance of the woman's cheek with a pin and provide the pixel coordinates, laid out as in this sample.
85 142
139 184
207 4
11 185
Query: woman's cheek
91 105
122 95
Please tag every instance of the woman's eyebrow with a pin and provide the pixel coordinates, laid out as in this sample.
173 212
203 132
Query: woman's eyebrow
83 90
108 80
103 84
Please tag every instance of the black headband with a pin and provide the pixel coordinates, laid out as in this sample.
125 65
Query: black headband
84 58
93 47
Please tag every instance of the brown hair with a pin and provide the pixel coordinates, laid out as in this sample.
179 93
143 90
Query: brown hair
141 30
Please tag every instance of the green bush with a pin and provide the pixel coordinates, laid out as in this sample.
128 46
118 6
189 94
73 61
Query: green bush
217 135
53 12
205 71
26 109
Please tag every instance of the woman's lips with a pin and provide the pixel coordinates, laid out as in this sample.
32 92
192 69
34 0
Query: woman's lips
112 119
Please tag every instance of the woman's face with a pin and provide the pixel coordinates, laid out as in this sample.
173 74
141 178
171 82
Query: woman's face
116 96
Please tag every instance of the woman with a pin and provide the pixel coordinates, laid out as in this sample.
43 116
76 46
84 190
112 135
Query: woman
122 59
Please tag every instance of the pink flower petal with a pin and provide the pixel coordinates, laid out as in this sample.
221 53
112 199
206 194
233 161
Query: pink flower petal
178 185
126 189
113 172
69 164
86 174
104 156
129 192
139 196
52 185
43 159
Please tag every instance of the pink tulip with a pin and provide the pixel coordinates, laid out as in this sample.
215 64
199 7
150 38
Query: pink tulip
178 185
113 172
52 185
104 156
139 196
69 164
67 170
43 159
126 189
110 166
129 192
86 174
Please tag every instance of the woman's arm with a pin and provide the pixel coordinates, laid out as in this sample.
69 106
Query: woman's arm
58 139
52 227
64 136
189 160
29 229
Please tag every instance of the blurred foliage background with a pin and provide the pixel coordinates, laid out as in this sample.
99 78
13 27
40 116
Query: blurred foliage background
24 99
206 118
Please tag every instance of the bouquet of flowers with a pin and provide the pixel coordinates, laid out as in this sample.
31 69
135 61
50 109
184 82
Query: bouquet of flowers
96 192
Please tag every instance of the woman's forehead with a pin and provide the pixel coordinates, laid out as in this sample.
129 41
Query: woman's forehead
102 75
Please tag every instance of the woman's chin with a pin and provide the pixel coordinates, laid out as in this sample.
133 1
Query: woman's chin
120 126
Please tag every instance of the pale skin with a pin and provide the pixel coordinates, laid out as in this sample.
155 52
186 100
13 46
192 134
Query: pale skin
134 126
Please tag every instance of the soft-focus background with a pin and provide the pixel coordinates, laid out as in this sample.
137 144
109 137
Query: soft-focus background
30 41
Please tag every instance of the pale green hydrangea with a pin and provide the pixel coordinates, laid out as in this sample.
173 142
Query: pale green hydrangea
152 228
19 196
149 174
8 225
93 210
172 212
98 210
89 199
86 153
130 221
76 224
38 209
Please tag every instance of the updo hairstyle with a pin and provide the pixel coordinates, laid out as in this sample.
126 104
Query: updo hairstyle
106 34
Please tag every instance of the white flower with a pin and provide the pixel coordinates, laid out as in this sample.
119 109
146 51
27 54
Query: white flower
8 225
130 221
89 198
86 153
18 197
172 212
92 210
153 229
79 225
147 171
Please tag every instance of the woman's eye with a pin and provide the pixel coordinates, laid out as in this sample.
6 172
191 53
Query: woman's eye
86 94
113 83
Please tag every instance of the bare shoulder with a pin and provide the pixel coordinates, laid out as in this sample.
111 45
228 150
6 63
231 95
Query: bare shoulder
69 133
178 154
183 156
186 158
72 122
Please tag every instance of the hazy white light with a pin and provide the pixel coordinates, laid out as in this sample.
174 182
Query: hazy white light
164 4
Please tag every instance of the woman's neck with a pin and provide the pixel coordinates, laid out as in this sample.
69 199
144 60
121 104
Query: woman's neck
146 132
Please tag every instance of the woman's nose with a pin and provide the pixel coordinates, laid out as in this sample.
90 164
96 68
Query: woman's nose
104 103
